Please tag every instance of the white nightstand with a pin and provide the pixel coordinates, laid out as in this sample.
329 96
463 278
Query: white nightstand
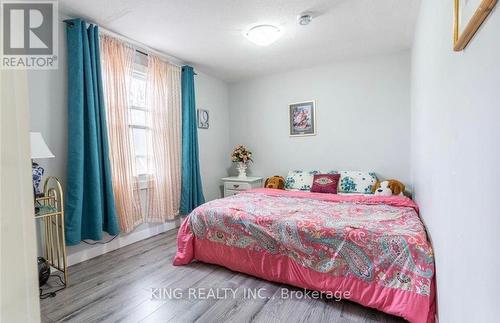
234 185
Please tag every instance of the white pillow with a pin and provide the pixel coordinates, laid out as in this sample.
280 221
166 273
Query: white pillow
355 181
300 179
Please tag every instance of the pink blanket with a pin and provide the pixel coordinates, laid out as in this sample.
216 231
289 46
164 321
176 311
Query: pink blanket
373 247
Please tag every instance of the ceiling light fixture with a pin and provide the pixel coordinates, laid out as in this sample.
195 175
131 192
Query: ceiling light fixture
263 35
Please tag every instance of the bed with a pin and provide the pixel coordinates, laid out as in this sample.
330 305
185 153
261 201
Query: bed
373 247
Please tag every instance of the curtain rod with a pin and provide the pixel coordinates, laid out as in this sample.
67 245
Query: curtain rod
138 46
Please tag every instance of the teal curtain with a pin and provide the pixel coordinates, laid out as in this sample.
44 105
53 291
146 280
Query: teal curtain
90 207
192 191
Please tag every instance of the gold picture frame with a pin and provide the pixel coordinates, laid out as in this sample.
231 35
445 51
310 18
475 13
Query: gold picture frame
462 38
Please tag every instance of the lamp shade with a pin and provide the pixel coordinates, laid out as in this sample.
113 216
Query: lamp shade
39 148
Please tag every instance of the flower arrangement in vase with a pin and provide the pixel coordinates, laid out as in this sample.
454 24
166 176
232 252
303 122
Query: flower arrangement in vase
242 156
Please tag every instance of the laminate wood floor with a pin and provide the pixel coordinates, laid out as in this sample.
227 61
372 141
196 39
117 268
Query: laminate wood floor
117 287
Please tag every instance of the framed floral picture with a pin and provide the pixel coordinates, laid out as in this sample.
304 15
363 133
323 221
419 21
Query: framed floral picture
468 17
302 118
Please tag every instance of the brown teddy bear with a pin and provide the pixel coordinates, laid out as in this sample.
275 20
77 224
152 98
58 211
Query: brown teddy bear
277 182
388 188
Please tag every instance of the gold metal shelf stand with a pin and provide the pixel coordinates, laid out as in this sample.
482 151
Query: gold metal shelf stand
51 214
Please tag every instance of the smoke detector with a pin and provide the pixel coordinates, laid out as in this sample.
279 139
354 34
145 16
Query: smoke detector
305 18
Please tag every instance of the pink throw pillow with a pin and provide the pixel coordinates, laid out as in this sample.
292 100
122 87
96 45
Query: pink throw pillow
325 183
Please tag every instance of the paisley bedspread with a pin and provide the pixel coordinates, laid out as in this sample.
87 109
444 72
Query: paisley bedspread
374 247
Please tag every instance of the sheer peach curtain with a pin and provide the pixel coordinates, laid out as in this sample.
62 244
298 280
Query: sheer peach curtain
162 187
117 60
163 98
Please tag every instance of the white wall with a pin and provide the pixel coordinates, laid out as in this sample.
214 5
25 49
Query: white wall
48 115
212 95
362 114
456 158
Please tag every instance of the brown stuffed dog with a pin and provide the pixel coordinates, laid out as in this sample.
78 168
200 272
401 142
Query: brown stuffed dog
388 188
276 182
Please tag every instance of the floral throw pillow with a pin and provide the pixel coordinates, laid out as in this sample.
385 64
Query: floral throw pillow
325 183
300 179
356 181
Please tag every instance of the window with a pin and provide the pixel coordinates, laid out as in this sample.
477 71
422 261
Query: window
150 190
140 133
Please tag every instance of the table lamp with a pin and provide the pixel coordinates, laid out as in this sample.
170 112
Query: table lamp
39 150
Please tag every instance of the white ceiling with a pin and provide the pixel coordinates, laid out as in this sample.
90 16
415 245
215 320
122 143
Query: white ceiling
209 33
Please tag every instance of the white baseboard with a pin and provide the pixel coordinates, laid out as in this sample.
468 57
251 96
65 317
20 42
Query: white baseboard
82 252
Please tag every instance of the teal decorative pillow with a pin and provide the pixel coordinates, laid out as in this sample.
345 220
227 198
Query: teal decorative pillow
355 181
300 179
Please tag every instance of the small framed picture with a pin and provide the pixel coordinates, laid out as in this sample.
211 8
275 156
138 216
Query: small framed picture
302 118
203 119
